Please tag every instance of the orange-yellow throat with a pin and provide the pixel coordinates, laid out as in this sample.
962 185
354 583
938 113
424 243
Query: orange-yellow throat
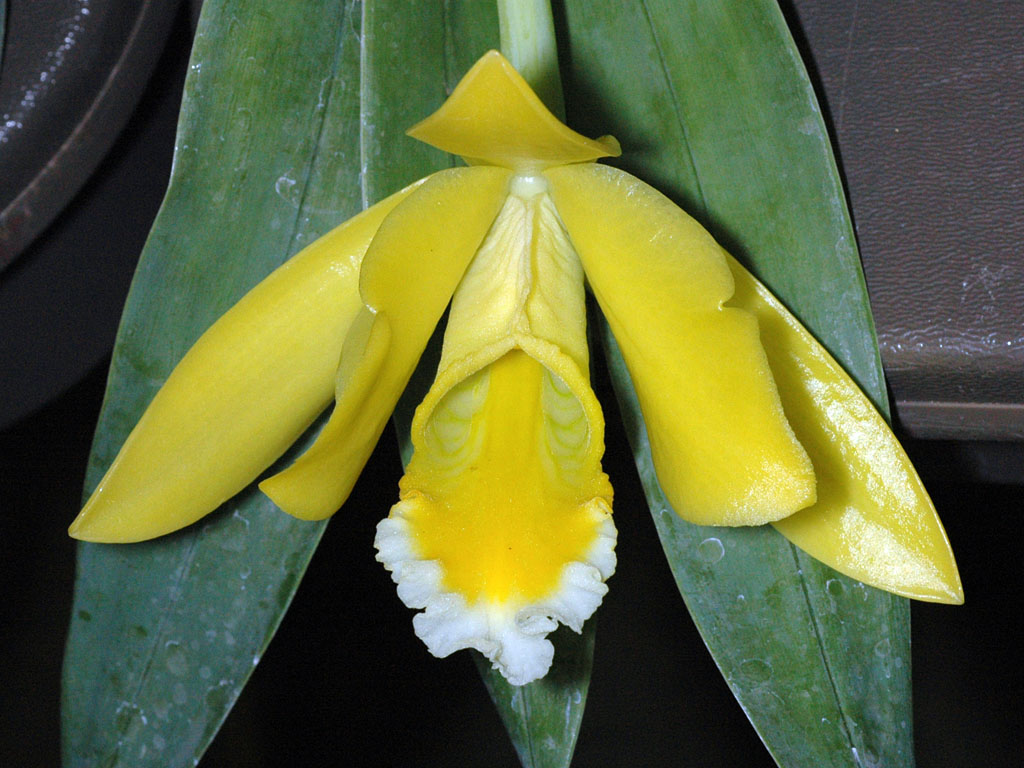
508 518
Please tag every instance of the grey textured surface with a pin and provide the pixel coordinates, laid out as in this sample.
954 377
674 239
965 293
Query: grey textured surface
73 72
925 102
61 298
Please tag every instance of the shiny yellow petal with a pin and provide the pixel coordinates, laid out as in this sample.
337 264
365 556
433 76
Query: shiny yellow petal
242 394
873 519
408 276
722 448
494 117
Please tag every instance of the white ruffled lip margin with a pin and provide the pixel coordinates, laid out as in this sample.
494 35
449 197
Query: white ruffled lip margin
512 637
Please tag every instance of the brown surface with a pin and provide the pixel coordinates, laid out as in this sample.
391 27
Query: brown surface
925 100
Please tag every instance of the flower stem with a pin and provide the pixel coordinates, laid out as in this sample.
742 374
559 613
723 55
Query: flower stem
528 42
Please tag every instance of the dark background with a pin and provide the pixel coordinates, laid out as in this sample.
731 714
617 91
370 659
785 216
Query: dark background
333 685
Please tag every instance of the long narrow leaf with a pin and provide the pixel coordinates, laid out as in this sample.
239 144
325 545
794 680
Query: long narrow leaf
713 106
273 150
164 634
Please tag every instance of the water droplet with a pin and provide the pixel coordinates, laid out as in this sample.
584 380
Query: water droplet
756 670
867 760
176 663
288 190
882 648
219 698
835 587
237 528
711 550
128 720
243 120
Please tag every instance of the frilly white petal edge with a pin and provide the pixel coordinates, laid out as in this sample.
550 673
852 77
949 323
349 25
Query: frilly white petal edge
512 637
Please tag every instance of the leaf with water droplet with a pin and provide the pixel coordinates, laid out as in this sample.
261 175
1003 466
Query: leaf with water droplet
741 145
148 617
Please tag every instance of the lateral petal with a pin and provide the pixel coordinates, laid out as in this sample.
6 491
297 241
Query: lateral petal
234 403
722 448
873 519
408 276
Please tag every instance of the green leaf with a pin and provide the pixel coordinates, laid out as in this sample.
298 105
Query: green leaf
543 718
713 107
164 634
273 150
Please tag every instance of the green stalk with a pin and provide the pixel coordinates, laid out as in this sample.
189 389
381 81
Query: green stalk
527 33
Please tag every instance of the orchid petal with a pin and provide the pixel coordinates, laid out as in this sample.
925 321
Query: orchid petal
234 403
504 524
873 519
722 448
494 117
409 274
492 536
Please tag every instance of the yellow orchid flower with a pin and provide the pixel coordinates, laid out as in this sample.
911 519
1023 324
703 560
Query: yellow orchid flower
503 527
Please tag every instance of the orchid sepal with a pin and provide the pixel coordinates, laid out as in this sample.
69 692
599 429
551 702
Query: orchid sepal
234 403
873 520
